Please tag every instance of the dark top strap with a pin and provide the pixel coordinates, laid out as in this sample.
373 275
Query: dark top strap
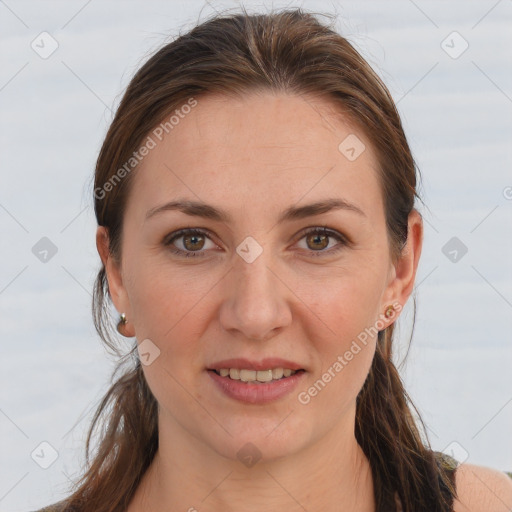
448 465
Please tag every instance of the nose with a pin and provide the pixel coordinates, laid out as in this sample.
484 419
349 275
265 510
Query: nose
256 303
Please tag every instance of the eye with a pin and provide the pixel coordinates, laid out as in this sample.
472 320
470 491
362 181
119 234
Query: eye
317 239
192 241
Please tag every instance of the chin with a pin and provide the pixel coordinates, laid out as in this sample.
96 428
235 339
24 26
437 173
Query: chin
261 440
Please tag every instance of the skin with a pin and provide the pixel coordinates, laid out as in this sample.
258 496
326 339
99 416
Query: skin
253 158
482 489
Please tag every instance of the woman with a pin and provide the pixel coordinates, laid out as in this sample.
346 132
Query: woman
256 224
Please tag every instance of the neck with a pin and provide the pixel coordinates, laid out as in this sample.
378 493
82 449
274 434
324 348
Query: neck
331 474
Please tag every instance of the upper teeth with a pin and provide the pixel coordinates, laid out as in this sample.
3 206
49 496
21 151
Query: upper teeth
256 375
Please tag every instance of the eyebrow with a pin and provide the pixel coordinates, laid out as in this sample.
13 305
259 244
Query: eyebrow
206 211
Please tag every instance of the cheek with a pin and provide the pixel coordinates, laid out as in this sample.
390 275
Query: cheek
344 340
169 309
172 308
348 304
164 299
344 359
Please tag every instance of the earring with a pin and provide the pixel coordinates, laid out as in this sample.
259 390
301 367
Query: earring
390 311
122 322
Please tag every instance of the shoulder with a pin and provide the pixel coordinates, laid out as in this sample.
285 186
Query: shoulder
482 489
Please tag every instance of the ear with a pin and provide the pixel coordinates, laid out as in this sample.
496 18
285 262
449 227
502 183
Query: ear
403 272
115 282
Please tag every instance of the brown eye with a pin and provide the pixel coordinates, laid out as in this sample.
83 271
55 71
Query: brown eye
318 239
189 242
317 242
193 242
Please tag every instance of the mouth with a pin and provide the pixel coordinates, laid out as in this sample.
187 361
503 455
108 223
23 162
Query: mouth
256 387
246 376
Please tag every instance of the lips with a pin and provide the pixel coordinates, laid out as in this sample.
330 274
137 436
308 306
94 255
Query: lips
256 392
264 364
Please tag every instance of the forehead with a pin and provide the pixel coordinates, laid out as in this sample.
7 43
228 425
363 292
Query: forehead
258 154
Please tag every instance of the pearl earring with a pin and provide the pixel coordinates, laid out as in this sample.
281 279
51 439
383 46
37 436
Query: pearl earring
390 311
122 322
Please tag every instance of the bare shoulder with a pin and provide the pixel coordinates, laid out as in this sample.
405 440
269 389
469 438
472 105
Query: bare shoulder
482 489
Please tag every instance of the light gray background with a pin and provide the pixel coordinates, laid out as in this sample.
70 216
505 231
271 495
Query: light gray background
457 114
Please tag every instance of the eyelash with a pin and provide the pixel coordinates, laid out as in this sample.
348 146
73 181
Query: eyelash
194 231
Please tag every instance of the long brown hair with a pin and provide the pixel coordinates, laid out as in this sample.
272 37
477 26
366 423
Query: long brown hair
293 52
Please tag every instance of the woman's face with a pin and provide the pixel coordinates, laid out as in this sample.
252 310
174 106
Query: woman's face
254 284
